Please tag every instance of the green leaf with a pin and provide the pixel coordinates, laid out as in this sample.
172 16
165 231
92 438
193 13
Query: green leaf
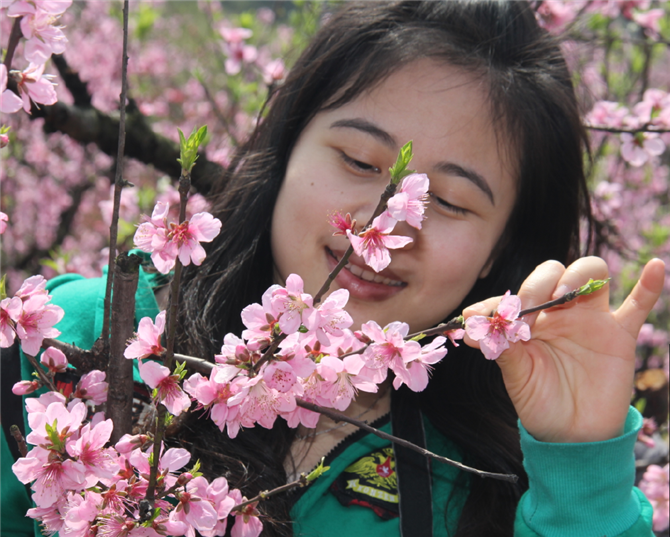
399 169
318 471
188 149
3 289
195 471
418 337
591 286
640 405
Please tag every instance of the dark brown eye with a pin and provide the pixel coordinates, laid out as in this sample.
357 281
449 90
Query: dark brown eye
358 165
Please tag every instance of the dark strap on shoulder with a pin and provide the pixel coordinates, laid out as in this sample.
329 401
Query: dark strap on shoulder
412 469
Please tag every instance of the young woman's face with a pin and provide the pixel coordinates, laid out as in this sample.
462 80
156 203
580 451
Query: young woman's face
341 162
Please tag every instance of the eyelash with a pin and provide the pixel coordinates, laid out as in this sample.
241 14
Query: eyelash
448 206
358 165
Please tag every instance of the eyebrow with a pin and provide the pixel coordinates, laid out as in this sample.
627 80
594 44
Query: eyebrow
367 127
451 168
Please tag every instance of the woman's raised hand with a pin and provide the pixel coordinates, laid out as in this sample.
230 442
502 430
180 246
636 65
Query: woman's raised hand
572 381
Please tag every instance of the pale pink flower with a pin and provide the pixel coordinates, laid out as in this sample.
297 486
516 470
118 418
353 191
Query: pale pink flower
409 202
4 140
35 285
294 306
28 7
54 359
36 323
43 38
81 511
260 321
50 517
279 376
193 509
332 318
495 333
34 85
147 342
655 485
262 404
555 15
89 449
10 311
214 393
92 386
236 50
247 523
607 114
65 421
217 493
373 244
649 19
9 101
418 366
641 147
274 71
652 107
169 393
389 348
341 381
167 242
41 403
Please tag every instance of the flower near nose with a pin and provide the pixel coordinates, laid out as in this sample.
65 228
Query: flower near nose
373 244
409 203
495 333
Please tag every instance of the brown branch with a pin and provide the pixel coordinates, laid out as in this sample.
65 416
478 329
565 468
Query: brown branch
86 125
14 37
16 433
298 483
619 130
118 181
338 416
77 88
44 378
83 360
120 369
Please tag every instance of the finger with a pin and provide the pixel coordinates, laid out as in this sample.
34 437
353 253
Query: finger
635 309
539 286
578 274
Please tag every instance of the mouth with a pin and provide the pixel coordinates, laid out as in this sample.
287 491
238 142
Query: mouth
361 281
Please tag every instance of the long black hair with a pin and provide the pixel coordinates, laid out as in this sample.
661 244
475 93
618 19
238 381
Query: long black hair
534 111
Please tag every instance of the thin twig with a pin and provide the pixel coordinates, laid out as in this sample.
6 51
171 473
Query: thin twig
83 360
619 130
40 372
118 181
300 482
16 433
14 37
338 416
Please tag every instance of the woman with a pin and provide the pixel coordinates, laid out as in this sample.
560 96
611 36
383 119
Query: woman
487 98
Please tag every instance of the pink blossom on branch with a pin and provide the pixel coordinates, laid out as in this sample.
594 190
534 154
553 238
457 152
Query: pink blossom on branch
654 484
34 85
148 339
373 244
165 242
54 359
641 147
36 322
495 333
168 391
409 202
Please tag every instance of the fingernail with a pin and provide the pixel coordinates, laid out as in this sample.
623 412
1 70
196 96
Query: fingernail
562 289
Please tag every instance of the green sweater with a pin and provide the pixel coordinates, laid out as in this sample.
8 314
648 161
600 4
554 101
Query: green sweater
583 490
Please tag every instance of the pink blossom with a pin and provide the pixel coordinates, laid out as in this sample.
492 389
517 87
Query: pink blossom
294 306
417 366
167 242
274 71
36 323
495 333
649 19
10 311
641 147
607 114
214 394
28 7
54 359
653 107
341 381
247 523
43 38
388 347
9 101
654 484
50 517
262 404
332 318
4 140
89 449
169 393
279 376
35 285
260 321
66 422
409 202
342 223
92 386
194 510
148 340
33 85
236 50
373 244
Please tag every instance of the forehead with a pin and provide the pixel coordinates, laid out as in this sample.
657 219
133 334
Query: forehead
444 110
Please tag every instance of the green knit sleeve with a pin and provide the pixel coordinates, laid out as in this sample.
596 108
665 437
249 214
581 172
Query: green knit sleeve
583 489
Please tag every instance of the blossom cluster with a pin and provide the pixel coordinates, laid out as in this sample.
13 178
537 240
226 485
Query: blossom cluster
373 243
652 111
43 38
655 485
310 354
82 488
29 316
